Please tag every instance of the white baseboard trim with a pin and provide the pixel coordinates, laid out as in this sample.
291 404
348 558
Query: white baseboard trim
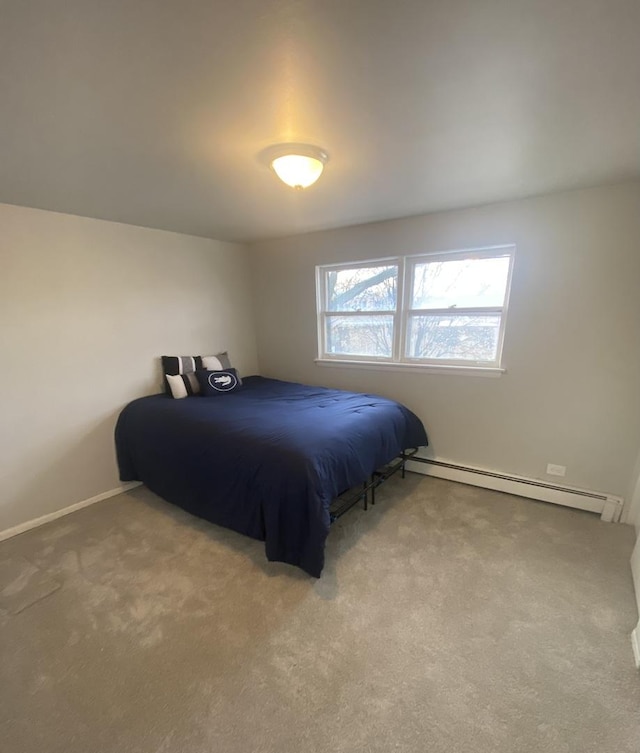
635 574
635 644
608 506
29 524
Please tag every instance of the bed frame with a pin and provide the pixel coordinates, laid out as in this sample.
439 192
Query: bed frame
367 493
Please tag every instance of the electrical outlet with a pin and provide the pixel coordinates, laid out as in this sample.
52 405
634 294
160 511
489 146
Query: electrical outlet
556 470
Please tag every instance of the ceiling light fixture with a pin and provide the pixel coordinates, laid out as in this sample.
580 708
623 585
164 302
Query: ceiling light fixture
297 165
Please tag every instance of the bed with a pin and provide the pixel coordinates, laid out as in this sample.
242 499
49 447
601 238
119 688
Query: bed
265 460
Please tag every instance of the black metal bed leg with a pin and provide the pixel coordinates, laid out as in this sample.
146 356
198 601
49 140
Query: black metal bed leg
352 497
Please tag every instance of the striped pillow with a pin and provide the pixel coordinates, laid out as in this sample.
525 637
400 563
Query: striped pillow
174 365
183 385
219 362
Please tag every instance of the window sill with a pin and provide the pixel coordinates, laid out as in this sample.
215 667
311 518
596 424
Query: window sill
482 371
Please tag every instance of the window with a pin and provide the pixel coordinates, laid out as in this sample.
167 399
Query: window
360 312
441 309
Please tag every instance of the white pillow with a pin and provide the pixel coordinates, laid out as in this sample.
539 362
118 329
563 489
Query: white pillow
183 385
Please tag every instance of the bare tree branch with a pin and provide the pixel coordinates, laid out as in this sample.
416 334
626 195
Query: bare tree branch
343 298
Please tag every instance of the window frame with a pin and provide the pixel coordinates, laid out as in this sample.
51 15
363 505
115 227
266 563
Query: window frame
405 283
323 312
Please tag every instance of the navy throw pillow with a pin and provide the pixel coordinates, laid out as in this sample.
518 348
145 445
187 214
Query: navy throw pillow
218 382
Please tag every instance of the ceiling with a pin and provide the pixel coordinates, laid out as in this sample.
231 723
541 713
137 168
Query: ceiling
154 112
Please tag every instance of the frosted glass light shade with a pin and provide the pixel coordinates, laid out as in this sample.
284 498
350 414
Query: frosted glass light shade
297 170
297 165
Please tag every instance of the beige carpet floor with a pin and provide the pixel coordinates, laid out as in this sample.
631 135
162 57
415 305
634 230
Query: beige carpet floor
449 618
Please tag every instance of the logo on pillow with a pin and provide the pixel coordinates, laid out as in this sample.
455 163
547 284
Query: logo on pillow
223 381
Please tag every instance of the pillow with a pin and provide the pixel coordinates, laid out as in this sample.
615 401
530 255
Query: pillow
218 362
173 365
218 382
183 385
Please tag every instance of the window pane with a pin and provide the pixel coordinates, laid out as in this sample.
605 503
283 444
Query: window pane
360 335
362 289
460 282
467 338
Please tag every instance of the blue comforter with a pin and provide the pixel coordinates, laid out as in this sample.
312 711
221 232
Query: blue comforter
266 460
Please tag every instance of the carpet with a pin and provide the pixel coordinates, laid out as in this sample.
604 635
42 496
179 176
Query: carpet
448 618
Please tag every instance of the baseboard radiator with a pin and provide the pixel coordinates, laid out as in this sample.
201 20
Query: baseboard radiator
608 506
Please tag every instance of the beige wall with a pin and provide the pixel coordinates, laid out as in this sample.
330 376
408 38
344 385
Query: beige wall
572 346
86 309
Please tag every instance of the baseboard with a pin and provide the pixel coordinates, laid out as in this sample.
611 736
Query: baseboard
608 506
635 644
635 574
29 524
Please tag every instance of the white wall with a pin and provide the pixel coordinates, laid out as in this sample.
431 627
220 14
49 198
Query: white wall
570 394
86 309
